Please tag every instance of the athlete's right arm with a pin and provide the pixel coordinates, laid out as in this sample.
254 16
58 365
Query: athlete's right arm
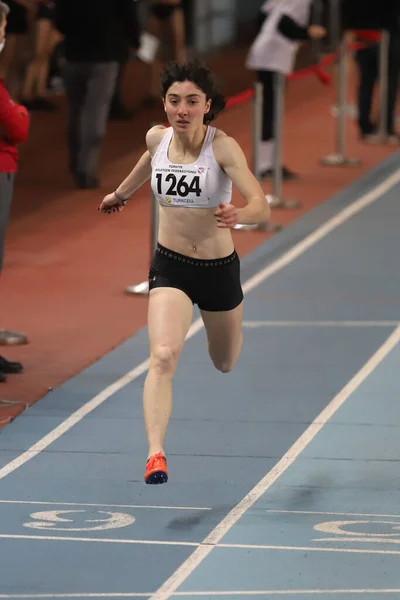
138 176
140 173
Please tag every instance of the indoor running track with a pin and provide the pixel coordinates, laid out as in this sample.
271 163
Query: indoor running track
284 475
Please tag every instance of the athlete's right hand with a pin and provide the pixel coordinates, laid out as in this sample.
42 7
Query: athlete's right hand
110 204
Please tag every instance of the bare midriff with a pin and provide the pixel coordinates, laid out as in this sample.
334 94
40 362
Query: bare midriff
193 232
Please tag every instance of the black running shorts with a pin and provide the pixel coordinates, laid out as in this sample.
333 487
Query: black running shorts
213 285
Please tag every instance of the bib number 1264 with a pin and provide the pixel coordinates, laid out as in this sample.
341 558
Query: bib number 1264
179 187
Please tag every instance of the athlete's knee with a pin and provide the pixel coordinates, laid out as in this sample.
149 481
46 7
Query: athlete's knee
163 358
225 361
225 366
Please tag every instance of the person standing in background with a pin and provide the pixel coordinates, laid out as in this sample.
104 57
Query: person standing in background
373 15
18 23
95 44
283 25
165 15
14 126
117 109
46 38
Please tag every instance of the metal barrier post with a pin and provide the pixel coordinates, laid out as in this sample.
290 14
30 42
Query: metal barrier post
256 130
383 85
142 289
257 126
275 200
339 158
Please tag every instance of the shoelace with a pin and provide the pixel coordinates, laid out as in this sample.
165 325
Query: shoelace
156 461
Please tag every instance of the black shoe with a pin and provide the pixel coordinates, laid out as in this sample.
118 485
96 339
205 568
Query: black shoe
370 138
3 378
368 129
287 175
7 366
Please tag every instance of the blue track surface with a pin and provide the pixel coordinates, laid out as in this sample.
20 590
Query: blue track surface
284 475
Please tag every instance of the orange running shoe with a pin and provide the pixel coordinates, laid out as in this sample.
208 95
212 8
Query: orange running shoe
156 469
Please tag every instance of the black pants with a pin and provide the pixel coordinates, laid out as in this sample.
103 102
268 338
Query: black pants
368 64
116 101
6 195
89 90
267 79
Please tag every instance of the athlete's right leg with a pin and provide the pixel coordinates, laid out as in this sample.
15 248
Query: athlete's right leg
169 318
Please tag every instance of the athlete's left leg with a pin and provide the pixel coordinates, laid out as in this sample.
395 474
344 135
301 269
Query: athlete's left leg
224 335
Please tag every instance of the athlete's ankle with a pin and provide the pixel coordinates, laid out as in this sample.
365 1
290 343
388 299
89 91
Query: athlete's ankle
155 450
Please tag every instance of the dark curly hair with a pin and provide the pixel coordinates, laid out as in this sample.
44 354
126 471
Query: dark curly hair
199 74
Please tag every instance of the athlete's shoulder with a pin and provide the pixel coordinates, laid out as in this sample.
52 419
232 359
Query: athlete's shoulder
223 140
219 135
154 136
224 146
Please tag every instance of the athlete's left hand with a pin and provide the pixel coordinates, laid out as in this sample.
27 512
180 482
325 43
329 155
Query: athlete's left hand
226 215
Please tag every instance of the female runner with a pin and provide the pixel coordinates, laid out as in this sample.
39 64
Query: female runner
192 167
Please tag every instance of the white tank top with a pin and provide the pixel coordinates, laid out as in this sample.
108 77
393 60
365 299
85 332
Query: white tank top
201 184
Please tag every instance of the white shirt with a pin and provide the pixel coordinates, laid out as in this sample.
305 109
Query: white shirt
272 51
201 184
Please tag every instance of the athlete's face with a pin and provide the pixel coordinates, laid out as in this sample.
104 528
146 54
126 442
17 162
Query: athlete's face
186 105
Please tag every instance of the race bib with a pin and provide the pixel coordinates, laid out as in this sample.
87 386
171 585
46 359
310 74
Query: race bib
181 185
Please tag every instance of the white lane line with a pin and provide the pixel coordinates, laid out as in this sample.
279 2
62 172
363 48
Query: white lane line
259 324
197 545
40 596
309 548
144 506
211 593
323 513
289 592
361 540
54 538
197 325
190 564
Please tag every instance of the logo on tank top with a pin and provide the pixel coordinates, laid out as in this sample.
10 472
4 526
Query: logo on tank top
181 185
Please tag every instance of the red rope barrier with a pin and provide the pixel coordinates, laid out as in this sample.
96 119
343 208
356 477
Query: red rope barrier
317 70
301 74
239 98
371 35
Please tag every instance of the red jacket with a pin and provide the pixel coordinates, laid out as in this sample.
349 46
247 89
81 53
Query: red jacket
14 126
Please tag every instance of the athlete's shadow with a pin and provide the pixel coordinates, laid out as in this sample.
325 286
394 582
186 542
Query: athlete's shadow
205 517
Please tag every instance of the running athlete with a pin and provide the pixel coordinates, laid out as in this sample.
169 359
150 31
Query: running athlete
192 167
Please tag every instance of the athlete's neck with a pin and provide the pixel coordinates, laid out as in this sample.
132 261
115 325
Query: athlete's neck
190 142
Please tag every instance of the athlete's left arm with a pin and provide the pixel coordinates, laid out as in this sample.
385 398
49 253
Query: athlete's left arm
232 160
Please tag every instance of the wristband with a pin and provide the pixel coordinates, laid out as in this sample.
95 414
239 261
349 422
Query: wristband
120 199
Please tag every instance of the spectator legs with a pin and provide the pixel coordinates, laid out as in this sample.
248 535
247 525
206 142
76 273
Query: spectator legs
89 88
